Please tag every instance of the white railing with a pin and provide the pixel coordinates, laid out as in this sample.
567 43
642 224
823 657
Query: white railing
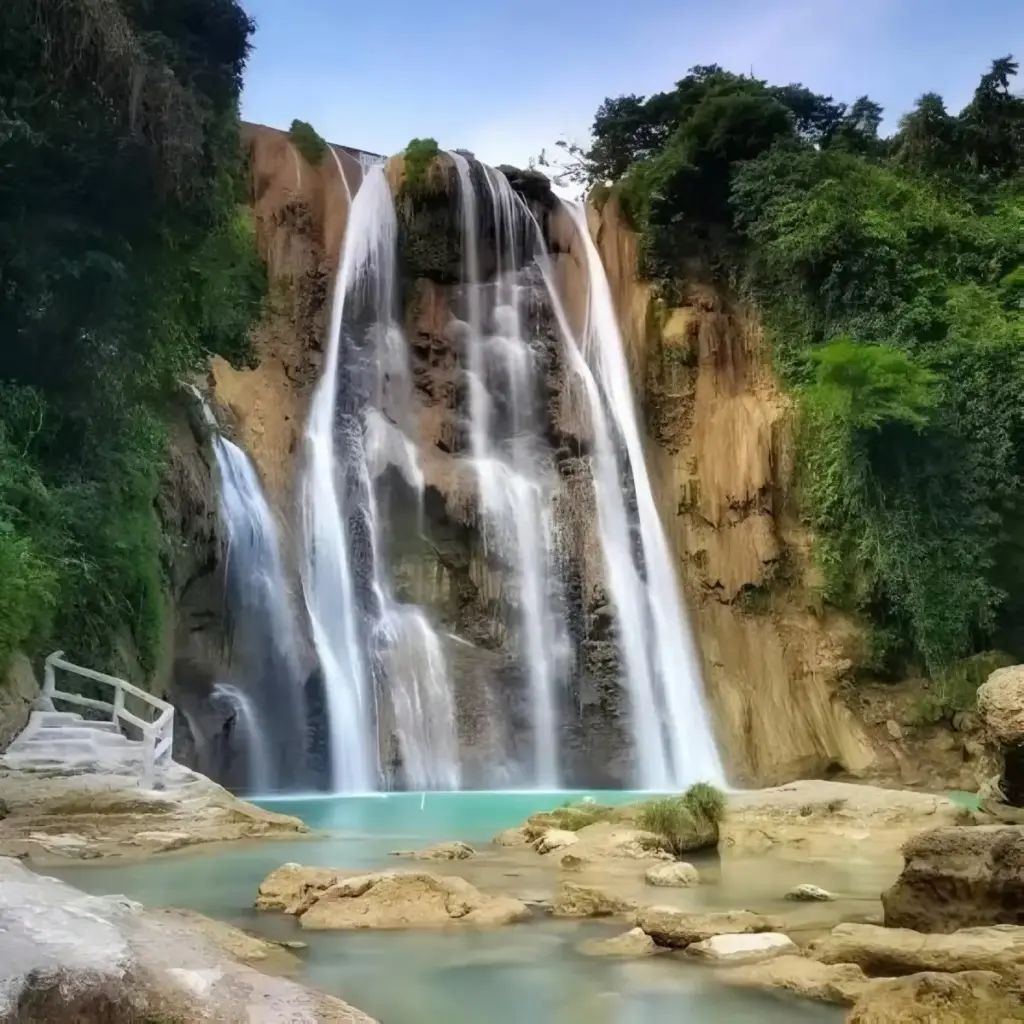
157 735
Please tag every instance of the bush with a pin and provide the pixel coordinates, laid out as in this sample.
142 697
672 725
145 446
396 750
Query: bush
418 156
686 822
308 142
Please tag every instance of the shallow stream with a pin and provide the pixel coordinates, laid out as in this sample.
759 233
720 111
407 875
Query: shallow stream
529 972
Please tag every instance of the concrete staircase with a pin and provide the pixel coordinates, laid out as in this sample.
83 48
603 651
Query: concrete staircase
63 740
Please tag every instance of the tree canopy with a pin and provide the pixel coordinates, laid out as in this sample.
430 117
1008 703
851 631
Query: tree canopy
889 275
125 259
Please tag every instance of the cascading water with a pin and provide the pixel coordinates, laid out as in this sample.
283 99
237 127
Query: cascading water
250 733
672 730
264 647
379 658
513 465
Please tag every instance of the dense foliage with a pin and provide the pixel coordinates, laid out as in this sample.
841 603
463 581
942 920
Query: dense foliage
308 141
889 272
125 259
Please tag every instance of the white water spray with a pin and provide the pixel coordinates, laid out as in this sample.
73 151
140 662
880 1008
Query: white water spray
250 733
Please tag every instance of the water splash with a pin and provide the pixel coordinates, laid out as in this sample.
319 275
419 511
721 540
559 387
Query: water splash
250 733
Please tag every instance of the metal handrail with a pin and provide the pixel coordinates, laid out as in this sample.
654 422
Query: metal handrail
157 735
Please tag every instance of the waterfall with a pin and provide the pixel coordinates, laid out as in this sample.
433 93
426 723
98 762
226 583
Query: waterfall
513 465
250 733
672 730
264 647
380 658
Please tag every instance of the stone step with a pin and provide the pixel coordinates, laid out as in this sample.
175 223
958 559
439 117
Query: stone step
52 718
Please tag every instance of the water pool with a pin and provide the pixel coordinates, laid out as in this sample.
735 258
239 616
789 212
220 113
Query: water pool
526 972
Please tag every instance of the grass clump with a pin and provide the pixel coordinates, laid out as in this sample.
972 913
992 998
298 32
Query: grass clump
307 141
419 155
686 822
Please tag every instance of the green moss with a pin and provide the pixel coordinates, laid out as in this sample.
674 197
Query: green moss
307 141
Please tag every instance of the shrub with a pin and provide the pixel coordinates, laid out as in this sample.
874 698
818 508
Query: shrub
307 141
686 822
419 155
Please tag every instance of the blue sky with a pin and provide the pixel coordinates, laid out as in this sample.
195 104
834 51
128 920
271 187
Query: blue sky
506 79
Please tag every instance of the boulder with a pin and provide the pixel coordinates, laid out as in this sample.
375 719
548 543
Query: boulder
66 956
511 837
809 894
18 691
293 888
554 839
670 926
575 900
742 949
829 818
606 840
959 877
453 850
898 951
408 899
971 997
1000 705
634 943
677 875
798 976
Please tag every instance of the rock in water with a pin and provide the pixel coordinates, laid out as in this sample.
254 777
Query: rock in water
575 900
408 899
293 888
959 878
742 949
809 979
634 943
669 926
555 839
809 894
453 850
677 875
970 997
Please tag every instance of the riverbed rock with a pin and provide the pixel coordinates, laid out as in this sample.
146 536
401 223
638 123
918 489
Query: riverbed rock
576 900
670 926
829 818
67 956
452 850
554 839
408 899
959 877
60 814
970 997
807 893
293 888
607 840
511 837
1000 705
634 943
799 976
676 875
898 951
250 949
742 949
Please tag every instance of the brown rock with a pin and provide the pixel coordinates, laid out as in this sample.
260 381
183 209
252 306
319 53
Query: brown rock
18 689
293 888
898 951
959 877
669 926
634 943
971 997
677 875
575 900
511 837
409 899
1001 705
453 850
554 839
810 979
608 840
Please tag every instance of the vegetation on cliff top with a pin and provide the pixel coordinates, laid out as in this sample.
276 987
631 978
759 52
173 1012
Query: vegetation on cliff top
418 156
889 272
307 141
125 259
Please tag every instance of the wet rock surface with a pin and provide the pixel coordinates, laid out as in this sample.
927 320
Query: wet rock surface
670 926
739 949
800 976
634 943
969 997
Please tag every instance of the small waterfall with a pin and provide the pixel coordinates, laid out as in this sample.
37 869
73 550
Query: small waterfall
381 660
264 648
513 465
250 733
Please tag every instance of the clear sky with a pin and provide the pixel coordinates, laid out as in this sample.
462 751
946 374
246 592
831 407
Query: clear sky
506 79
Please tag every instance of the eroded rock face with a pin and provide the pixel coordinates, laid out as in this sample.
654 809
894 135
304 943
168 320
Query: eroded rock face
1001 708
959 877
68 956
18 689
898 951
326 900
969 997
670 926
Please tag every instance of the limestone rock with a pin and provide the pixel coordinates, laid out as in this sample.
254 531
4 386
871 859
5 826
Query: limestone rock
819 817
799 976
511 837
1001 705
634 943
677 875
250 949
670 926
66 956
741 949
899 951
970 997
572 862
554 839
408 899
18 689
293 888
609 840
575 900
809 894
959 877
453 850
